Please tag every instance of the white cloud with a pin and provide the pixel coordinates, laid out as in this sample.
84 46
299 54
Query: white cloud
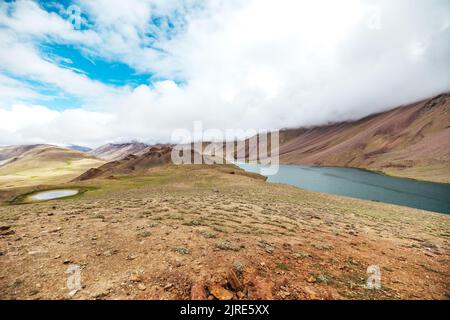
22 59
12 90
26 18
38 124
253 63
21 116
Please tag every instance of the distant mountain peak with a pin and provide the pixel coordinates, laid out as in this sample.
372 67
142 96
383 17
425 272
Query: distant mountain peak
79 148
117 151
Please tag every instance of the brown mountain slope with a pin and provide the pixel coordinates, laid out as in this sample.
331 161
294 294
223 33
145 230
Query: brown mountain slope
11 153
411 141
117 151
130 164
41 164
154 157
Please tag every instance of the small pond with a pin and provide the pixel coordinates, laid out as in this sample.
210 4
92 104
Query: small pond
53 194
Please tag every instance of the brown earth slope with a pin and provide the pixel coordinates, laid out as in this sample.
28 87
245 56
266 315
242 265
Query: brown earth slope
129 165
200 232
143 164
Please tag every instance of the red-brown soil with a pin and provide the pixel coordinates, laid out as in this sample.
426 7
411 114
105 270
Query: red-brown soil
200 232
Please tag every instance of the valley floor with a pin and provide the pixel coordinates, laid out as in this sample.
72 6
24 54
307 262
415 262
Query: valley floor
200 232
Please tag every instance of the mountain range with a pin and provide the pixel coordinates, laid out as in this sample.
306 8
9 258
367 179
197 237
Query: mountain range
409 141
42 164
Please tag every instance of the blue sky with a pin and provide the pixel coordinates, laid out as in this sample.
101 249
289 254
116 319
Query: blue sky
141 69
110 72
108 69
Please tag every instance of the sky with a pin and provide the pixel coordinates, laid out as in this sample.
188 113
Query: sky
92 72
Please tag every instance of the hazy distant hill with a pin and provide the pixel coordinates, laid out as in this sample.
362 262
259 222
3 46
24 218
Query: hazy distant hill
79 148
42 164
10 153
117 151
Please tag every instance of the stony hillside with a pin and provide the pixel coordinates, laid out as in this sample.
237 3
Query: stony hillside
199 232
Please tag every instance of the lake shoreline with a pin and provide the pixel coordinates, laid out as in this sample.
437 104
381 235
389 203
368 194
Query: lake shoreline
363 184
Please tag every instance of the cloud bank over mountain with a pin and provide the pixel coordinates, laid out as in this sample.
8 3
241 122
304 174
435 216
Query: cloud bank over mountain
231 64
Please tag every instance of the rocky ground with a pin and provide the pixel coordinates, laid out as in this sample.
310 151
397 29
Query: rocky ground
195 232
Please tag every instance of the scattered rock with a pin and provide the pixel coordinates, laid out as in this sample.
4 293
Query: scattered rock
198 292
311 279
141 287
266 246
101 290
37 252
107 253
284 294
221 293
72 293
168 286
6 231
234 281
135 278
311 294
34 292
